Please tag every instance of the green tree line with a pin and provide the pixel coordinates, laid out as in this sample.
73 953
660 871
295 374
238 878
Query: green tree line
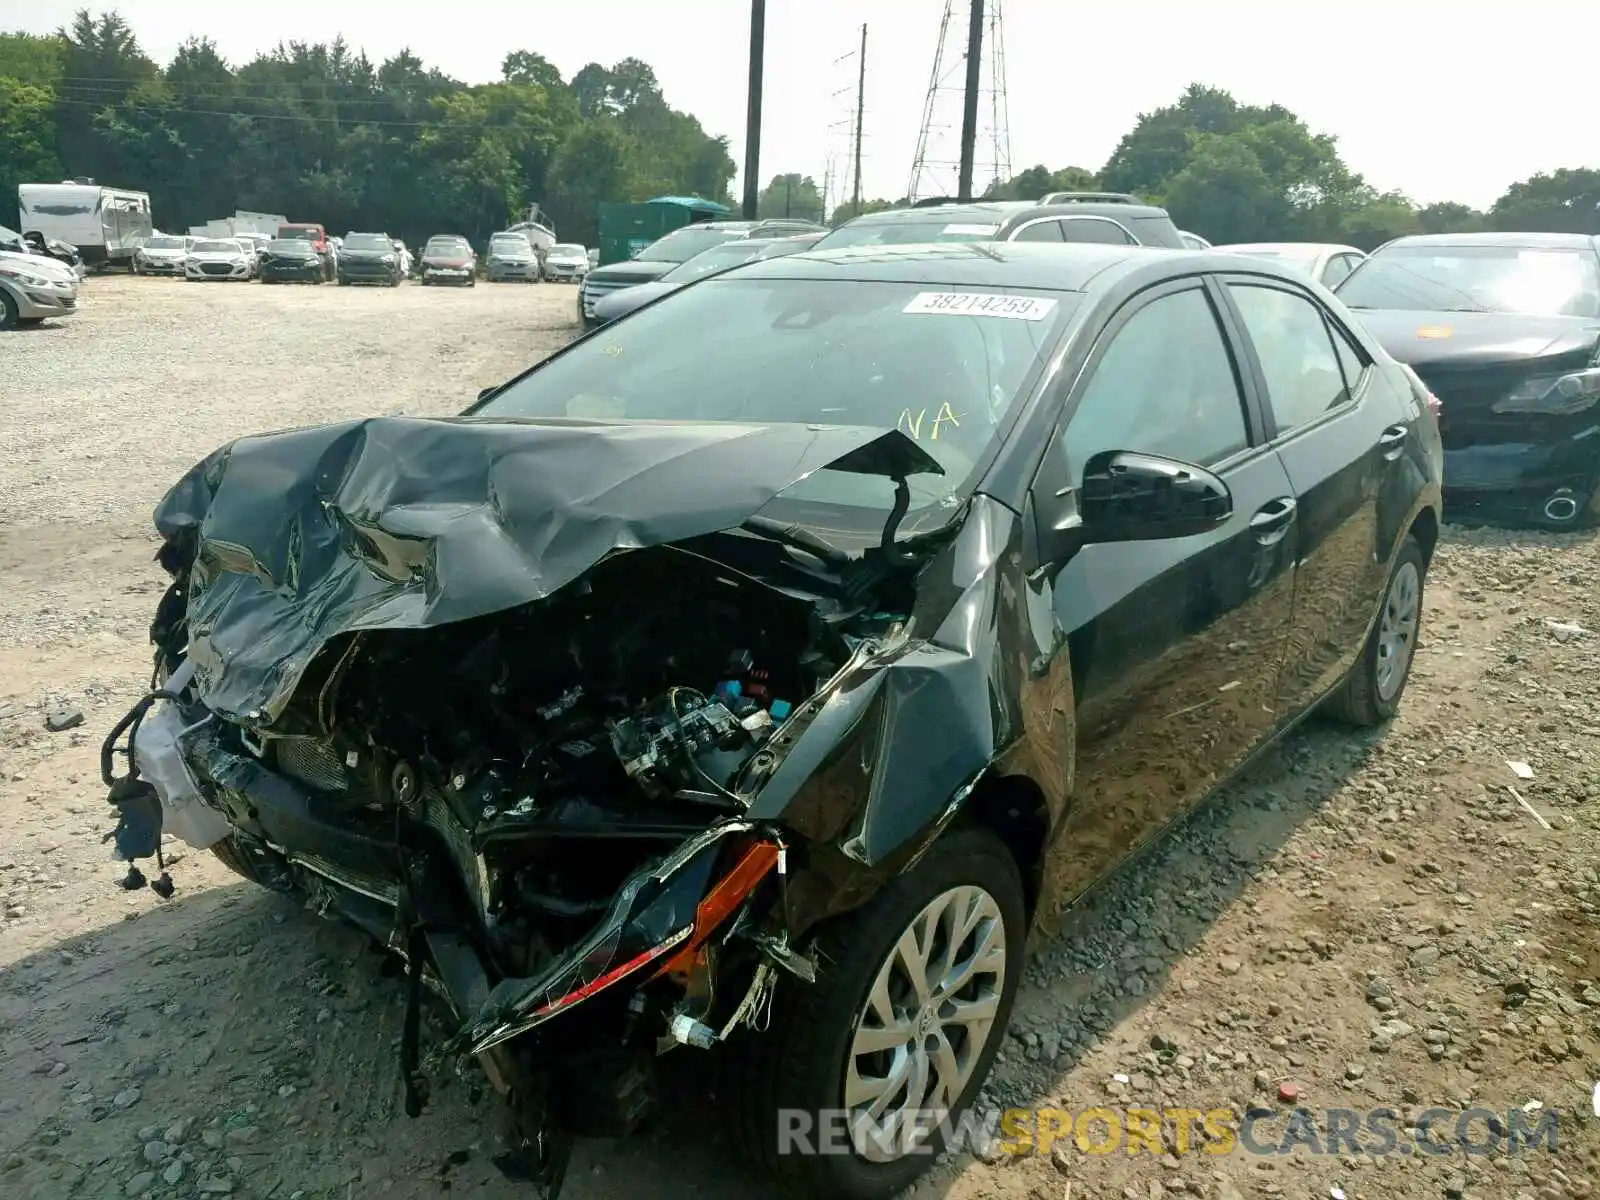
1236 172
318 132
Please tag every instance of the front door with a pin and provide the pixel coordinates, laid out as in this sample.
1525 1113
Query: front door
1174 645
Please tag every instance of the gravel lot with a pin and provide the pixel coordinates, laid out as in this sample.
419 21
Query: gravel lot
1372 921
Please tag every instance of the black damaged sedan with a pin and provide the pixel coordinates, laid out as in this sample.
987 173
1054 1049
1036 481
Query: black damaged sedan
1504 329
779 697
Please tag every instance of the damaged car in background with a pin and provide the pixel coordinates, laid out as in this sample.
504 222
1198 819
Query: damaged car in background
776 698
1504 329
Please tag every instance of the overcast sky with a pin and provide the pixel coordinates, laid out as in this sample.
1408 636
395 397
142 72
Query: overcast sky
1444 103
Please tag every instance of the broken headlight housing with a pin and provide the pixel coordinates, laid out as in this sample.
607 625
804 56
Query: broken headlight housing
1554 395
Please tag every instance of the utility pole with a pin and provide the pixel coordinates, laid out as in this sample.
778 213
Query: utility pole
969 115
752 122
861 103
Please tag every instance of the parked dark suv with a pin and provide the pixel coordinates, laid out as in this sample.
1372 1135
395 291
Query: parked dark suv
369 258
679 246
1094 219
775 696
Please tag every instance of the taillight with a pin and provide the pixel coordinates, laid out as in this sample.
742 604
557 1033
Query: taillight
1435 405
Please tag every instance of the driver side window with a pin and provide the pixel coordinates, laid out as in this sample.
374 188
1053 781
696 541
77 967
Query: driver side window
1165 385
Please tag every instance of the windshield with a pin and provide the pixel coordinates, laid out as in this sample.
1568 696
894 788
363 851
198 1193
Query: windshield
510 243
290 246
900 233
214 247
1465 278
446 246
567 250
164 243
309 235
718 258
684 244
916 357
368 241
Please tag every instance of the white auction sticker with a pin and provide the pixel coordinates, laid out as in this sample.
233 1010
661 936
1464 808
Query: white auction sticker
982 304
972 230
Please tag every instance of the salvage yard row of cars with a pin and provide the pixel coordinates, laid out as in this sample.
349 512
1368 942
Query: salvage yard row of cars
779 698
306 254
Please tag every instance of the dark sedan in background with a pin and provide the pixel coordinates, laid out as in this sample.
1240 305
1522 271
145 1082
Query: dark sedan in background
777 696
290 260
449 259
1504 329
369 258
708 262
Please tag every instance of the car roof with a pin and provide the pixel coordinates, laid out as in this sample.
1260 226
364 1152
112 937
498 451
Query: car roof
1517 241
1305 249
1001 211
1064 267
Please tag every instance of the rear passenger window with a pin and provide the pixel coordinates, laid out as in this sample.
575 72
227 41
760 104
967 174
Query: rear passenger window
1296 351
1351 360
1039 231
1094 229
1337 271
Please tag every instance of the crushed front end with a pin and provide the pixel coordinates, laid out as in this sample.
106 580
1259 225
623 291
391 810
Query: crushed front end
546 808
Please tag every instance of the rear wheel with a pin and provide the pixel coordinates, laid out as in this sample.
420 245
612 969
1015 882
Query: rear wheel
1370 694
898 1031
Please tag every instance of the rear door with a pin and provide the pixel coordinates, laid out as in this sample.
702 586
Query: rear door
1174 645
1341 432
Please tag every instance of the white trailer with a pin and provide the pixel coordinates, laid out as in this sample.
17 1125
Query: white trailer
107 225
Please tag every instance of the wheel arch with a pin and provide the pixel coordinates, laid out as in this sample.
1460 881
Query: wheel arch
1014 809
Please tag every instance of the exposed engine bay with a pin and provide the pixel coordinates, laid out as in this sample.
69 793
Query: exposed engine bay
530 805
554 750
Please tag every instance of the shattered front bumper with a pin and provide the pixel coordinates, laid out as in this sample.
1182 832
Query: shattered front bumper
667 925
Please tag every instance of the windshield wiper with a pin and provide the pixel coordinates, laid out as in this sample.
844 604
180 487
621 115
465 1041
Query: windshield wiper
799 538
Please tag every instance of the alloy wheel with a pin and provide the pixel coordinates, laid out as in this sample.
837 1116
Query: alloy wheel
927 1019
1397 629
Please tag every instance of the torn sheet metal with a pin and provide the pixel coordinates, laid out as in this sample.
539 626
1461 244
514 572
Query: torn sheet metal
405 523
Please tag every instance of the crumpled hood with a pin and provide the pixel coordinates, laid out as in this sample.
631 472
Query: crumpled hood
407 523
1421 339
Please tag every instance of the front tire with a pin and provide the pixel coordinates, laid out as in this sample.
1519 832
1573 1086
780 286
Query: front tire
1370 694
8 312
910 1005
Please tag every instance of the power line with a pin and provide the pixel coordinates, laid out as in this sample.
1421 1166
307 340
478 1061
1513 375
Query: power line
301 118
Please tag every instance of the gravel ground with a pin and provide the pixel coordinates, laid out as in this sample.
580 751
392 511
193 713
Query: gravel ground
1362 922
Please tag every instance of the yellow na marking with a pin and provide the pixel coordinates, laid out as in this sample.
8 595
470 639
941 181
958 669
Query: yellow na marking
911 423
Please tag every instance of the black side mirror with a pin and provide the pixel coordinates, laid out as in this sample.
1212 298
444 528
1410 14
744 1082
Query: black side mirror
1129 497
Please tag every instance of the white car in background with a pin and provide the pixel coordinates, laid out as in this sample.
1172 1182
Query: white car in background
163 254
1327 262
566 262
34 288
218 258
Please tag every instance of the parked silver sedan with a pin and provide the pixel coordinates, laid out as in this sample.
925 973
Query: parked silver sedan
1327 262
34 288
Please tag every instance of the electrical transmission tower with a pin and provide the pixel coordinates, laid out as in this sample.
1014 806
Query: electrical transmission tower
935 170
